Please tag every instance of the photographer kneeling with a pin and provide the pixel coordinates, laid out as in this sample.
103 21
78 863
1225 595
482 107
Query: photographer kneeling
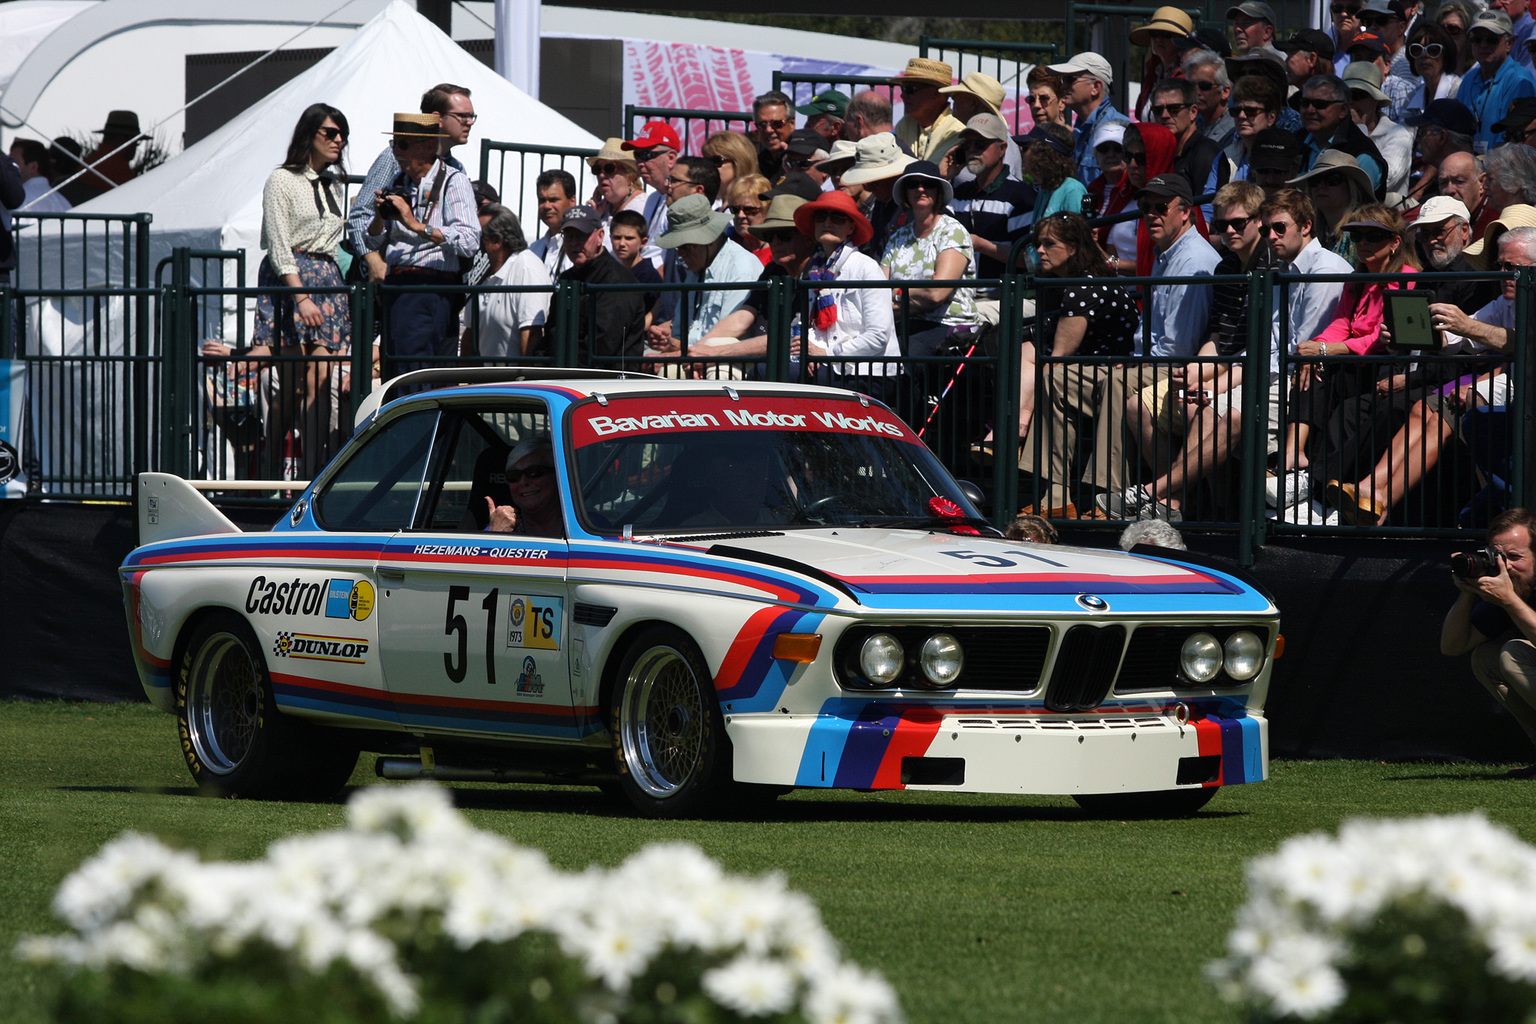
1494 620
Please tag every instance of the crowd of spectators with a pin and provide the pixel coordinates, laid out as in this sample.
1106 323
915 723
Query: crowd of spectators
1392 139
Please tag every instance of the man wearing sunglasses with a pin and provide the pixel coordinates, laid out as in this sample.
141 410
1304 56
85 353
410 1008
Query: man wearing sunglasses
1208 71
928 126
1344 22
773 120
1521 23
1088 77
656 148
1388 21
1326 124
1492 86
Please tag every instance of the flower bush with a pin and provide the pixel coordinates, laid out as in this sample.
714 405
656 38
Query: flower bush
410 913
1426 919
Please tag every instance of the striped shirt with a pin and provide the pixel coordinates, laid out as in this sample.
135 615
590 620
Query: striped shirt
1002 212
453 213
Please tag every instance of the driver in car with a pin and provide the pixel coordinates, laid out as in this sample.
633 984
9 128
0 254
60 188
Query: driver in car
535 508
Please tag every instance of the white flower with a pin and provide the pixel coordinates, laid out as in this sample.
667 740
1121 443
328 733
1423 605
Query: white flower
613 948
753 986
848 995
416 809
1514 950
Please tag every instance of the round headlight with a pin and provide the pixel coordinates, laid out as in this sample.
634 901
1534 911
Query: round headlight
1201 658
942 659
881 659
1244 655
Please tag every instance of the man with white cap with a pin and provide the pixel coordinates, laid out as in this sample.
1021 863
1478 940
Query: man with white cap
1490 87
994 206
928 126
1441 233
1088 78
877 163
1253 27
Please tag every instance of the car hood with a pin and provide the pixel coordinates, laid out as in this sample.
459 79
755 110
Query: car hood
910 568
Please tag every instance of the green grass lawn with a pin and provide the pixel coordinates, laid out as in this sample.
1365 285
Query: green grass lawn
977 908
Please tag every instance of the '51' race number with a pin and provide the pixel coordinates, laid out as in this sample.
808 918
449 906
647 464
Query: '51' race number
532 622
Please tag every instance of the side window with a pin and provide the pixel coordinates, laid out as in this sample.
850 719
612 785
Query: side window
376 490
473 463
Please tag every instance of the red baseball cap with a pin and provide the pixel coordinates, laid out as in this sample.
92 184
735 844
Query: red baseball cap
655 133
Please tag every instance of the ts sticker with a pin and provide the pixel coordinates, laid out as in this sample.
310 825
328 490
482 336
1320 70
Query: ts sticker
529 682
316 647
534 622
347 600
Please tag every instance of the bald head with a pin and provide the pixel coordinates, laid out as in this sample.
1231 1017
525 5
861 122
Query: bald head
1461 178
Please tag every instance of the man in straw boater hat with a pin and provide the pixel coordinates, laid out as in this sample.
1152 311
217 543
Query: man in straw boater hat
426 226
457 110
928 126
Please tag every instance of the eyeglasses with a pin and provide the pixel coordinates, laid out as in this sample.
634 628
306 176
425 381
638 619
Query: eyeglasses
645 155
608 170
717 160
1312 103
1276 228
791 162
331 133
531 472
1238 224
1203 85
1136 156
1377 20
1425 50
677 181
1249 110
1154 209
745 211
1518 134
1170 108
1333 179
1344 9
770 126
1484 38
464 118
834 216
911 87
1451 28
924 186
1509 268
1356 95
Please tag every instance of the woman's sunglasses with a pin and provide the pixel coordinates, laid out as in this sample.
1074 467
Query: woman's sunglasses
1417 50
331 134
531 472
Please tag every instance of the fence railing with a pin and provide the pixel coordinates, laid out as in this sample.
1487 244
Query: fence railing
692 126
1425 452
513 169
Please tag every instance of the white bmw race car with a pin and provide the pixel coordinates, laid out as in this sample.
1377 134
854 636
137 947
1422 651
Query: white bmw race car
693 590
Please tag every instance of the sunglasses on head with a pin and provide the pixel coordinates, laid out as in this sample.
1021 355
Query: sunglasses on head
1425 50
1154 209
1238 224
536 472
332 134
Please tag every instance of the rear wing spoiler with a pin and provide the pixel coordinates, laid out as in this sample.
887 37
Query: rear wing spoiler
170 507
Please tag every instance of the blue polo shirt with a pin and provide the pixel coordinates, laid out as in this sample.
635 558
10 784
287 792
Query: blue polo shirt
1490 101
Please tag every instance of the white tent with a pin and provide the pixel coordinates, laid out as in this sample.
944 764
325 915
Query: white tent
210 195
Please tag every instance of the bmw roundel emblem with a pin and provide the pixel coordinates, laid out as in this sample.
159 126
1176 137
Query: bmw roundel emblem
297 515
1092 602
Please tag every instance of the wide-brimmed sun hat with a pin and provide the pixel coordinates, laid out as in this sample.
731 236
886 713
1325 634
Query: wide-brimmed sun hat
780 216
1165 19
1484 252
691 221
613 151
926 71
925 172
877 157
839 202
984 87
1338 160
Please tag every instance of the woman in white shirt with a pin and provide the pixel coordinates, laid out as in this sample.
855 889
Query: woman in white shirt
302 217
504 325
847 322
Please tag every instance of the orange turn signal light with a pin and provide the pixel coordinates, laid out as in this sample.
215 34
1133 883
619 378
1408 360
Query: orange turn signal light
797 646
1279 646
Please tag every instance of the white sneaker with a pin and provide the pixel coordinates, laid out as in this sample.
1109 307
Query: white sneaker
1128 504
1291 489
1306 513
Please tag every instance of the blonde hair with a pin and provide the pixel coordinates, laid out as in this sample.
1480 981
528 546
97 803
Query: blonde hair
735 148
752 185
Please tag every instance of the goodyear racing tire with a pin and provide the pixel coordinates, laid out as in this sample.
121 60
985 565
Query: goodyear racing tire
669 742
1172 803
235 741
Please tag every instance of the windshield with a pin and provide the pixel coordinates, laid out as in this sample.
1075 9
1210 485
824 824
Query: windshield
707 463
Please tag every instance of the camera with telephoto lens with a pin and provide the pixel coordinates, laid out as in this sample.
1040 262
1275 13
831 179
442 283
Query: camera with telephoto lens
1471 565
387 209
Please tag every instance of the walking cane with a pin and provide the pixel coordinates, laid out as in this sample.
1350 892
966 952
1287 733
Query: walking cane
948 387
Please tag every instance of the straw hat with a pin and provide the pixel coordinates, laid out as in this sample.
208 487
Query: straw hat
1164 19
984 87
839 202
1484 252
922 69
417 126
613 150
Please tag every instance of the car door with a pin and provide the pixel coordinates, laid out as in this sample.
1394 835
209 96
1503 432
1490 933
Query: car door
475 624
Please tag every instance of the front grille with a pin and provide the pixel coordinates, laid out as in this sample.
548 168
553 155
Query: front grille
1085 667
1152 659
